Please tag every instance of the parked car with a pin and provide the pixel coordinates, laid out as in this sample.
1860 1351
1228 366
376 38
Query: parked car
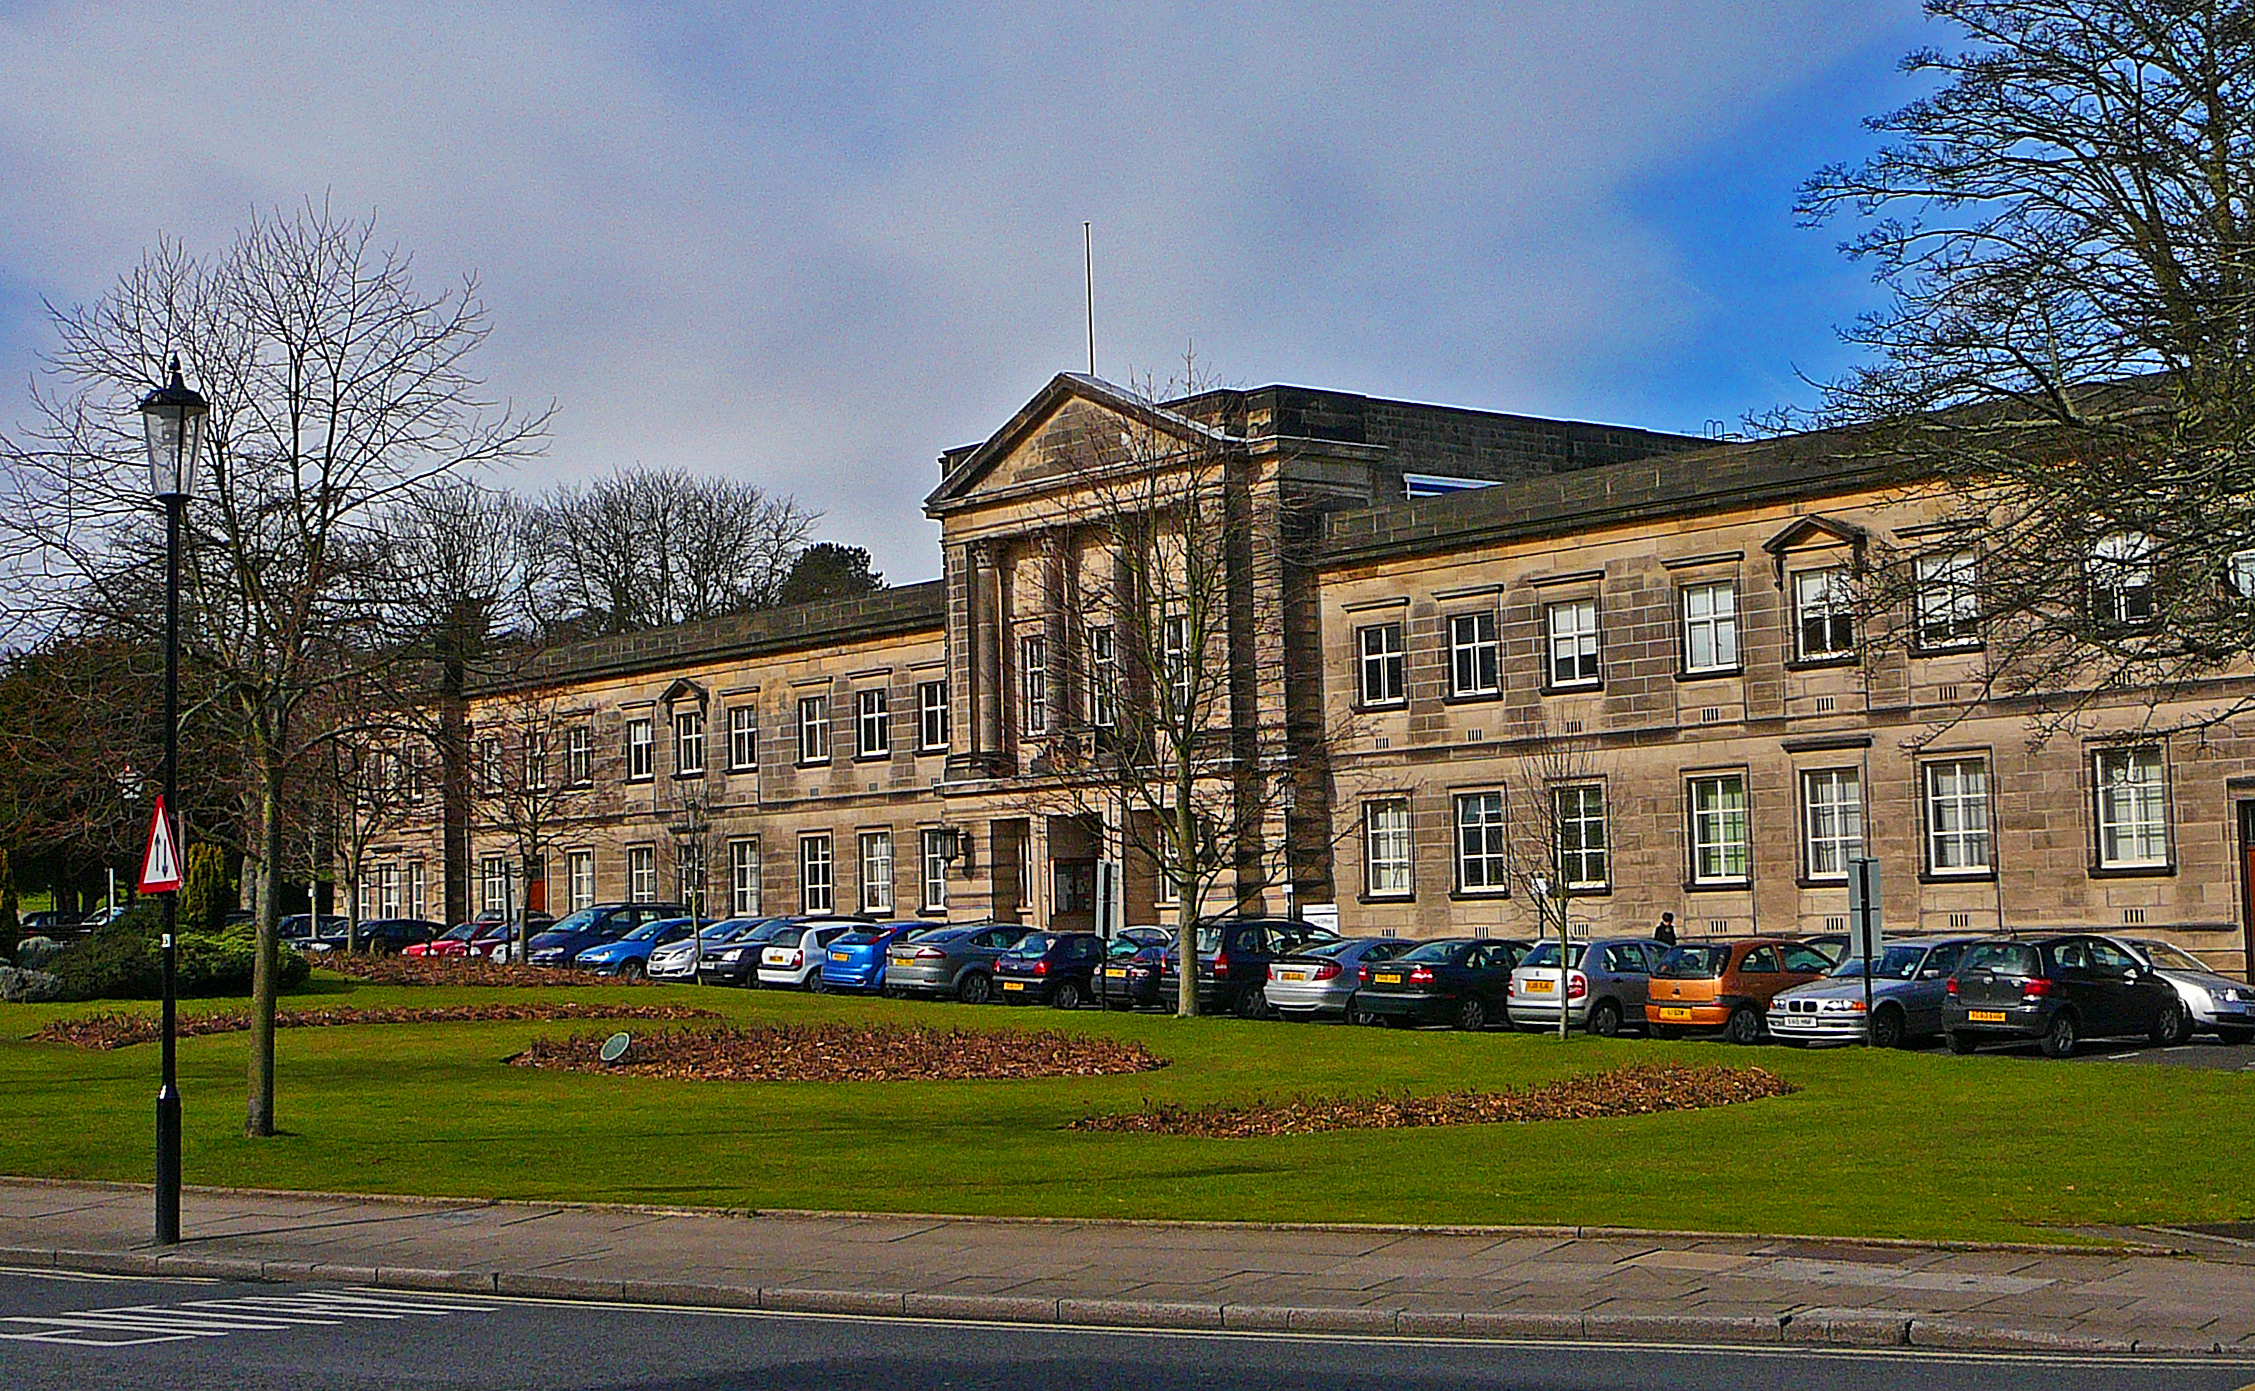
1907 991
725 953
1606 984
1322 978
952 961
794 959
497 940
1836 945
454 942
1726 987
1146 935
2058 991
1464 981
1233 959
301 931
1132 970
2213 1004
390 936
593 926
628 958
1053 968
857 959
47 924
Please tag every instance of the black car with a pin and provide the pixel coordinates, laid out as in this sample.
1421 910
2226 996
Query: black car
386 936
1233 960
1133 968
2058 991
734 959
1055 968
589 927
1464 981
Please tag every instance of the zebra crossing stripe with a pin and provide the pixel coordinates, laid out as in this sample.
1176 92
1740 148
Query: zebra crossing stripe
134 1325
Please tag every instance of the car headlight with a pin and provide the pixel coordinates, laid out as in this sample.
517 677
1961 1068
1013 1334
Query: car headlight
1840 1007
2237 997
736 955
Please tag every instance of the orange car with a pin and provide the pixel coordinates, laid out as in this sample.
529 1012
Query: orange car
1725 987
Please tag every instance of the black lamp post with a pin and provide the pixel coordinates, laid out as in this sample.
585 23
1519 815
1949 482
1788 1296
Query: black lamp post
173 418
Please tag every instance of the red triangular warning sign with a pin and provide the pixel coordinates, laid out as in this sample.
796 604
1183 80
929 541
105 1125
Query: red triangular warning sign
160 867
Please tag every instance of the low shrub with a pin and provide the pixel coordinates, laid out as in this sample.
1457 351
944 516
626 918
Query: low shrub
19 986
36 953
122 961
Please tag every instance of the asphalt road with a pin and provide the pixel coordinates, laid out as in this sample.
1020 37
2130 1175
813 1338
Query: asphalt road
187 1335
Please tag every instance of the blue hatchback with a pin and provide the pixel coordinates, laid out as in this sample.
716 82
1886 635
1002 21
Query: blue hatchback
629 956
856 960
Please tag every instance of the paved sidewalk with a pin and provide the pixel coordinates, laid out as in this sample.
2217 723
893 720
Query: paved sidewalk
1493 1283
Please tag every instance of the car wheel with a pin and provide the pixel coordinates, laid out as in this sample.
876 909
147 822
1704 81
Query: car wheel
2236 1037
975 989
1887 1029
1666 1031
630 970
2174 1027
1395 1021
1962 1043
892 992
2060 1037
1472 1014
1745 1026
1067 996
817 984
1605 1019
1250 1004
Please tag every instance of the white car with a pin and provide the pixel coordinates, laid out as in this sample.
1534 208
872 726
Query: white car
790 964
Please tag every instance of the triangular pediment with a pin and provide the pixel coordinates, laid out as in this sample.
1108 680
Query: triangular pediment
1072 427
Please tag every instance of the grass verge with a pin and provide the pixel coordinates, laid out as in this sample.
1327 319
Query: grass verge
1872 1144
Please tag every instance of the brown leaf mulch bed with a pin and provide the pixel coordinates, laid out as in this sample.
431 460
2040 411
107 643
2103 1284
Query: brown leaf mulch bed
107 1031
416 970
1636 1090
848 1053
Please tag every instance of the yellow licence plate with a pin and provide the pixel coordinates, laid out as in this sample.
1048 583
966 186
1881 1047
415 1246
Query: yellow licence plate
1540 987
840 956
1985 1016
1291 975
1116 972
1013 985
1672 1013
1388 979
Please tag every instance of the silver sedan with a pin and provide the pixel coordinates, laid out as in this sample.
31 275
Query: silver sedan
2213 1004
1320 978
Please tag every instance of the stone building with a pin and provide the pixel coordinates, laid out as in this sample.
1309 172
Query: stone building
1448 626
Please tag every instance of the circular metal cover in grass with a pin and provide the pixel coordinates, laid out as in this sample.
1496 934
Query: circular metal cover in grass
614 1047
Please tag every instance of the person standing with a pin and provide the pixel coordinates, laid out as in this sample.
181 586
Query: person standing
1666 931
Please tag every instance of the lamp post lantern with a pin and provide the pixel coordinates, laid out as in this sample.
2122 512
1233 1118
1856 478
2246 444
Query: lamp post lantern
172 418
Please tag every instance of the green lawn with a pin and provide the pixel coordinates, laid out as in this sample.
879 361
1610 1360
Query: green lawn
1893 1144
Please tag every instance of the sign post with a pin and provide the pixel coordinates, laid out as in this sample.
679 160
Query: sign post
1865 934
160 862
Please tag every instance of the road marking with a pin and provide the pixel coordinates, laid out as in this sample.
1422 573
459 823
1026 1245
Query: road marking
2118 1057
136 1325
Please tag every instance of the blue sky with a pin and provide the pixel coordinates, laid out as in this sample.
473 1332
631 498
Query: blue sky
813 246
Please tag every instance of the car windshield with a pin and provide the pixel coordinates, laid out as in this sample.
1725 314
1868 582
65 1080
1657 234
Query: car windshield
1326 950
648 931
1124 947
1547 955
1701 962
1433 951
1895 963
2002 958
460 934
2168 958
580 921
1032 944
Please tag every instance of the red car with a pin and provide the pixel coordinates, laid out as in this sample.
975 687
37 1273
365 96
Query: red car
454 941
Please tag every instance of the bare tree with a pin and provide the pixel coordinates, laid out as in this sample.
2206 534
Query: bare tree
532 766
1556 826
337 389
649 547
1149 699
2068 352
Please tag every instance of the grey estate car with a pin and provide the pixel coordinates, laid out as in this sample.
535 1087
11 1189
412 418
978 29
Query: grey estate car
2214 1004
957 961
1320 978
1606 982
1907 992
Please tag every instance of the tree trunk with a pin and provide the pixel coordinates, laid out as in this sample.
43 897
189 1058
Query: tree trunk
1186 909
258 1120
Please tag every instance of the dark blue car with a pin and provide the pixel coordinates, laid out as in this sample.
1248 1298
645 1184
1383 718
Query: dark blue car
1054 968
591 927
856 960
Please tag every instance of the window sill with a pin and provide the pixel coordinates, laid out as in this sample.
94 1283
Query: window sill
1711 674
734 768
1573 688
1718 886
812 763
1970 876
1574 891
936 751
1410 897
1380 707
1829 660
1947 649
1819 881
878 756
2159 871
689 776
1479 895
1473 698
643 777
